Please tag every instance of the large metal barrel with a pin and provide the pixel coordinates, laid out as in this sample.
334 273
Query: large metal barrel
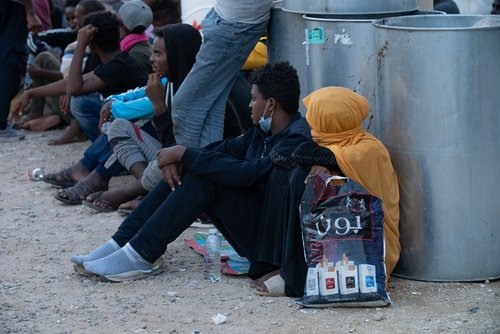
286 43
350 7
341 52
439 108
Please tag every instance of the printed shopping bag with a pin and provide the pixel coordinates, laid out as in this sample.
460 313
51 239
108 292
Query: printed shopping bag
343 235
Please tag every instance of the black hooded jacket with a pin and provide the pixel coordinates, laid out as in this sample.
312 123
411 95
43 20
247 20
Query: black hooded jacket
182 43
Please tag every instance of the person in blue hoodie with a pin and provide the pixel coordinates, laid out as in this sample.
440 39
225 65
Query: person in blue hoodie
227 180
92 174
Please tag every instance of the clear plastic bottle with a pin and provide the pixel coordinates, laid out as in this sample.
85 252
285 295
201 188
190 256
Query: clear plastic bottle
211 264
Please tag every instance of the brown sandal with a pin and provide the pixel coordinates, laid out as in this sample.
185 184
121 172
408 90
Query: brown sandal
74 195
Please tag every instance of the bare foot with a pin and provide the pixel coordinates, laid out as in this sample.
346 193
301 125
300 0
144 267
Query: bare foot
43 123
71 134
131 205
111 199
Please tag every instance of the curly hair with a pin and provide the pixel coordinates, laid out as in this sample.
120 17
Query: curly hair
166 12
91 6
71 3
279 81
107 37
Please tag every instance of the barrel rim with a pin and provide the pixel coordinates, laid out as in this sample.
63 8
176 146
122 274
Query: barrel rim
388 12
382 23
364 18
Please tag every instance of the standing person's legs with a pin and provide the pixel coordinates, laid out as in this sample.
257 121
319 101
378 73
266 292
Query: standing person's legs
199 104
87 109
13 54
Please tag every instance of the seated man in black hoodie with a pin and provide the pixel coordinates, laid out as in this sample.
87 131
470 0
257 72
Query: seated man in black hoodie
226 180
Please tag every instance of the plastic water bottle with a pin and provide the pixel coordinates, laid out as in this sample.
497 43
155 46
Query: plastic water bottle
211 264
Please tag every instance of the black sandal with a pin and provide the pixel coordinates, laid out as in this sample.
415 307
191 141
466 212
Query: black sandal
108 206
76 194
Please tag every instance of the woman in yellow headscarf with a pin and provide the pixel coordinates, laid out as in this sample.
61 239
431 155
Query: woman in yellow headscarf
335 115
340 147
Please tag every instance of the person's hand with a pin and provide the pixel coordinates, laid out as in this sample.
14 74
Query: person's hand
106 115
21 105
169 155
156 93
316 169
171 174
34 71
64 101
85 34
33 22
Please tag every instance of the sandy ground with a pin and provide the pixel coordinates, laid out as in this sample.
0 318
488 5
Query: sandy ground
40 292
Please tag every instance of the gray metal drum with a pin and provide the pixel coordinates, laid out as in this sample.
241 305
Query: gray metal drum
350 7
341 52
439 107
286 43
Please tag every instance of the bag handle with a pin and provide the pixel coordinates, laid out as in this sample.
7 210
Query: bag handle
335 177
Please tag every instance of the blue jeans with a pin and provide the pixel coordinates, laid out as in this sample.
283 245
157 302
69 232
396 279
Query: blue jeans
199 104
86 109
96 156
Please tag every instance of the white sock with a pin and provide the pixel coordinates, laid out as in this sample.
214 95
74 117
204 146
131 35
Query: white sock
123 260
104 250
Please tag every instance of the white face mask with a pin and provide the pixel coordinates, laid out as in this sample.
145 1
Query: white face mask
265 123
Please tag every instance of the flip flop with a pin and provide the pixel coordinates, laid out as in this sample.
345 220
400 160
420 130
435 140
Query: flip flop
124 211
75 194
256 282
97 197
272 287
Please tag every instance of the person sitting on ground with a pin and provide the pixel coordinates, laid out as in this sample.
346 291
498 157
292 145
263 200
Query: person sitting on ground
175 49
17 17
73 132
52 70
44 67
117 73
340 147
226 180
135 147
135 18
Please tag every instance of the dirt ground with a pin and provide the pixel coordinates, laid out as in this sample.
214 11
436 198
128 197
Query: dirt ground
40 292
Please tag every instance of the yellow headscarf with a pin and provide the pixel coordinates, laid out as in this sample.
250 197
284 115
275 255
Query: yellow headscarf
335 115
